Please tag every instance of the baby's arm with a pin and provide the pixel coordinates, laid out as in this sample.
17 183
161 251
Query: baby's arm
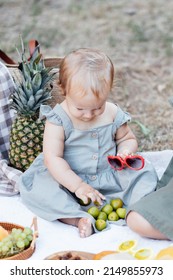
53 149
126 141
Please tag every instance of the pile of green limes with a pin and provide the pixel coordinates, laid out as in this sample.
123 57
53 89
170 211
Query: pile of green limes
112 211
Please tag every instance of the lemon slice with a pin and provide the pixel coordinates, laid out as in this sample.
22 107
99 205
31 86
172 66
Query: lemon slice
144 254
127 246
165 254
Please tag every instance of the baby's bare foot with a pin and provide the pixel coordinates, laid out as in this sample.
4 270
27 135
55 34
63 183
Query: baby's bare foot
85 227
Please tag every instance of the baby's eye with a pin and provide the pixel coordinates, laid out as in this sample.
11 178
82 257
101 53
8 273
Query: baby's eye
79 109
98 109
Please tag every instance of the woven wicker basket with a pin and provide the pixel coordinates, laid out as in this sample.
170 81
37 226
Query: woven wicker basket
30 250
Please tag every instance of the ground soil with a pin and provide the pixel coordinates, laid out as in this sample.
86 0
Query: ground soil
137 35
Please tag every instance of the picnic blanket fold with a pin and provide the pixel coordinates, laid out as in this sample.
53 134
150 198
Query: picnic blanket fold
9 177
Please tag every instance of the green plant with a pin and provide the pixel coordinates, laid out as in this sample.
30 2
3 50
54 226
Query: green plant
145 130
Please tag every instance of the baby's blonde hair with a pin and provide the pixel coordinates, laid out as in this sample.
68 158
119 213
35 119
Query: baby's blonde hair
86 69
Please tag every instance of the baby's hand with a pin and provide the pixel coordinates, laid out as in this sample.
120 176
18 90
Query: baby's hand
124 153
85 191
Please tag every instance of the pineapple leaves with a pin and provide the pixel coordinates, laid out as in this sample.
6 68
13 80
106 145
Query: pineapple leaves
34 87
36 82
28 88
38 59
26 71
46 80
36 56
31 102
18 103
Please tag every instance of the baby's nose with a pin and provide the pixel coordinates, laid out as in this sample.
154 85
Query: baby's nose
88 114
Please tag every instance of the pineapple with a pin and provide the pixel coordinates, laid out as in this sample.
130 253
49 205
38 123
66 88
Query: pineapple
33 90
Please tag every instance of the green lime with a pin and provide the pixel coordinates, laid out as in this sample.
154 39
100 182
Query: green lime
116 203
85 204
102 215
113 216
100 224
96 203
107 208
121 212
93 211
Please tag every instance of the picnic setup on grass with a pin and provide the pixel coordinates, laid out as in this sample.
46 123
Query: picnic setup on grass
24 88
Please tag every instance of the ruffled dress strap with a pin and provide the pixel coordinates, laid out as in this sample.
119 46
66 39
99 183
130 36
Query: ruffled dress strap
121 118
57 116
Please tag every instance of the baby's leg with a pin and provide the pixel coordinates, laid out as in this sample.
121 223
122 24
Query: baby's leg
84 225
141 226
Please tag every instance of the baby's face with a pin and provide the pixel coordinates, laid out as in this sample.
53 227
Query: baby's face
86 107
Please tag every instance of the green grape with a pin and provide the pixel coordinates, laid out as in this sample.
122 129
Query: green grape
15 236
19 238
9 244
17 241
13 230
27 242
6 239
20 244
5 249
27 231
16 232
29 237
23 235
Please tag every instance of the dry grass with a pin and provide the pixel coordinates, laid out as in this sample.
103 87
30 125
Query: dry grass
137 35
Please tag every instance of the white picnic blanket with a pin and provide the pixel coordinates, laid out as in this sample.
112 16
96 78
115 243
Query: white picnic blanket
56 236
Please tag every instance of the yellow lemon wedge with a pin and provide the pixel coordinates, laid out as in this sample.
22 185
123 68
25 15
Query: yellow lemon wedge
127 246
165 254
144 254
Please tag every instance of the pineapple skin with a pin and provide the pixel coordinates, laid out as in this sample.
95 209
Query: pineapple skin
26 140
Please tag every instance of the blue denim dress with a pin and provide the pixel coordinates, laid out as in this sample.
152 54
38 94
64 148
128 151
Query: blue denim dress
86 152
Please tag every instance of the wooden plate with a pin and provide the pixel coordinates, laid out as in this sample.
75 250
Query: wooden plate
74 254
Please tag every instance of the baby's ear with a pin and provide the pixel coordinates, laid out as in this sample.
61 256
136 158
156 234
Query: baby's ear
59 83
60 89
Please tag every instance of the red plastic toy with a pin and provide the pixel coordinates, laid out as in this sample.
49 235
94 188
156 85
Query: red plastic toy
135 162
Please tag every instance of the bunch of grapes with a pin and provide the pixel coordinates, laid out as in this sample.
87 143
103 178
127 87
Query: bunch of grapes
17 241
